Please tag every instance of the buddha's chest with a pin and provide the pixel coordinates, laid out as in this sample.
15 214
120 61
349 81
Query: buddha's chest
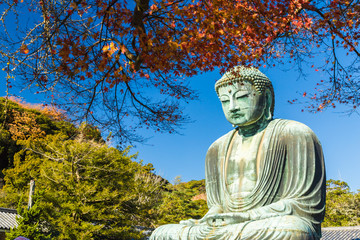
241 171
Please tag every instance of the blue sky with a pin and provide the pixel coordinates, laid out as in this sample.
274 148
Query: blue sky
184 154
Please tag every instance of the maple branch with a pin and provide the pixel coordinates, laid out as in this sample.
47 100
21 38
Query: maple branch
96 85
137 21
15 59
138 101
119 108
140 8
125 50
106 16
59 25
4 14
332 27
335 58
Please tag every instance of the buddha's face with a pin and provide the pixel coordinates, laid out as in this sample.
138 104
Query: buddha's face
241 103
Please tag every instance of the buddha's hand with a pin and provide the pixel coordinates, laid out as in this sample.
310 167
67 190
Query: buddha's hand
212 211
223 219
192 222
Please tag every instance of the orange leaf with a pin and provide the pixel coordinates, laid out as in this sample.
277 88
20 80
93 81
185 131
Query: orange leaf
24 49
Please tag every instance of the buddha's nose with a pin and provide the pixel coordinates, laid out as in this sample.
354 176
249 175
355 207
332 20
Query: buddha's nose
234 106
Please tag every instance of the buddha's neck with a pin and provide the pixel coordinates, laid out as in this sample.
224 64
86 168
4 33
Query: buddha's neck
252 129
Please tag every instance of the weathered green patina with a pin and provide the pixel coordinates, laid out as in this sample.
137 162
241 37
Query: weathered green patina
265 179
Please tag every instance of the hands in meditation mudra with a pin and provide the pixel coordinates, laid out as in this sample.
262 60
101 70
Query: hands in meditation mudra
265 179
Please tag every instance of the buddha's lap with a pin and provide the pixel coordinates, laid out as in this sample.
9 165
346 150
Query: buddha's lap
287 222
281 227
285 227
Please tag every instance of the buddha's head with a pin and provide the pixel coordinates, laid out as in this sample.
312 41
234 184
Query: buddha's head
246 95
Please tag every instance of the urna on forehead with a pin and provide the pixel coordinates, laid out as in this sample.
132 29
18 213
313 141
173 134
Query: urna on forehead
240 74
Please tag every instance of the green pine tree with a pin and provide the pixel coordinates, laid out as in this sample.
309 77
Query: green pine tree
342 205
30 225
86 190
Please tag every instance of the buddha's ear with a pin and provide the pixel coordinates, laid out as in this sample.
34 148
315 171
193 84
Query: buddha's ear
269 100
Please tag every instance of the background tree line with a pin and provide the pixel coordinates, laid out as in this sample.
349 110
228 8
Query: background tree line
85 189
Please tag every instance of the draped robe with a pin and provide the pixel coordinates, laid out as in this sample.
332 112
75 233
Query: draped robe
288 200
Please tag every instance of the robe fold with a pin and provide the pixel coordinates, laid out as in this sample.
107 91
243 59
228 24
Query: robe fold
288 200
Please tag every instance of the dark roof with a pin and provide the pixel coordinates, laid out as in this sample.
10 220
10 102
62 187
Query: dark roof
343 233
7 218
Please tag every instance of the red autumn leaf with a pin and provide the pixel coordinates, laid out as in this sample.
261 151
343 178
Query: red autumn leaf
24 49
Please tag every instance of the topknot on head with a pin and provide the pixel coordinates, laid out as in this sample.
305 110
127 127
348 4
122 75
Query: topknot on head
241 73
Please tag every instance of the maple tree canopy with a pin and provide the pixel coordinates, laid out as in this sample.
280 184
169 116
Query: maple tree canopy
102 60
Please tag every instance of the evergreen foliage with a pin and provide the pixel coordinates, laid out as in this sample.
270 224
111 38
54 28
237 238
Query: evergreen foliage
342 206
30 224
86 190
180 203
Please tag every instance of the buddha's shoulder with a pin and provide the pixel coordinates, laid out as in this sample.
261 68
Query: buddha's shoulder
221 140
291 127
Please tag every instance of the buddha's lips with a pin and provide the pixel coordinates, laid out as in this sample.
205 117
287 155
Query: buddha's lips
237 115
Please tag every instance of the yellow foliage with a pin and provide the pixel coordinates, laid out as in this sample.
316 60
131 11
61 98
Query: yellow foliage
49 111
24 127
